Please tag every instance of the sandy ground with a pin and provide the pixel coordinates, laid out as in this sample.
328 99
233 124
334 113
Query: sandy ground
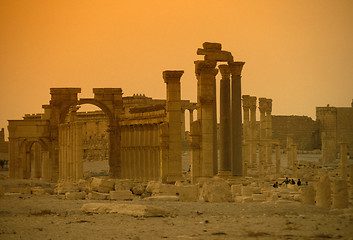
49 217
24 216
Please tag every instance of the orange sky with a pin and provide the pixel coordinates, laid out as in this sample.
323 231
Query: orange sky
299 53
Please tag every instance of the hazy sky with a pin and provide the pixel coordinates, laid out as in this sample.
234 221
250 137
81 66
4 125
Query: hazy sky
299 53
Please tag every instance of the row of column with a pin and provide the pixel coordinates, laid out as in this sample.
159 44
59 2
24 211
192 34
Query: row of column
70 151
140 152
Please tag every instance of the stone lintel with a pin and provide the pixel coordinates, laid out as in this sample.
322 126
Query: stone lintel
210 45
236 68
225 71
216 55
107 91
172 75
207 67
65 91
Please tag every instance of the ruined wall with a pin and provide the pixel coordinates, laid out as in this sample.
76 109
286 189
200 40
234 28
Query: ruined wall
303 130
4 147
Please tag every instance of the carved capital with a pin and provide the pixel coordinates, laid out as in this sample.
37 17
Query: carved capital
205 67
236 68
246 101
225 71
268 106
252 102
262 104
170 75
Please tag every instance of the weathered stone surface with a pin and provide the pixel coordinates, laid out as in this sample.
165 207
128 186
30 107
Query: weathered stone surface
215 55
126 209
323 192
216 190
75 195
211 45
98 196
243 199
121 195
123 184
340 194
38 191
151 185
308 195
83 185
188 193
158 188
236 190
247 190
102 185
162 198
64 187
2 191
258 197
138 189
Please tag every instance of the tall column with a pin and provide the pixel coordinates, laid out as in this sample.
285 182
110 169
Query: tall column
289 151
262 150
237 163
294 160
195 139
269 131
343 163
205 73
172 79
191 115
246 130
252 101
182 119
225 127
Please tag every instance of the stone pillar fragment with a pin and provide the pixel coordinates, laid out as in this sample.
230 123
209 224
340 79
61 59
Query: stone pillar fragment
262 146
278 159
225 124
237 162
195 142
343 162
252 101
323 192
268 131
340 194
172 79
294 161
289 151
308 195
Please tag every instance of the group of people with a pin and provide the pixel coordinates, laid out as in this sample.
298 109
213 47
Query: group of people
287 181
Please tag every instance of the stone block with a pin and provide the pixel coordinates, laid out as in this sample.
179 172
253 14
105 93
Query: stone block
38 191
102 185
243 199
152 185
293 187
188 193
236 190
121 195
258 197
83 185
246 190
138 189
166 190
216 190
64 187
123 185
98 196
215 55
75 195
323 192
210 45
126 209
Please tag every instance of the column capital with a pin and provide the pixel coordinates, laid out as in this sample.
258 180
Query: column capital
236 68
170 75
246 101
252 102
262 104
268 106
225 71
206 67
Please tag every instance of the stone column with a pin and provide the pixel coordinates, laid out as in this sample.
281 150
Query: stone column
246 130
269 131
252 101
191 115
172 79
164 153
37 161
225 127
294 160
182 124
237 162
195 139
278 159
343 163
289 151
262 148
205 73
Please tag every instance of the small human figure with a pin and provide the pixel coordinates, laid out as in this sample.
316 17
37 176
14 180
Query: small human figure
292 182
286 181
306 183
299 182
275 185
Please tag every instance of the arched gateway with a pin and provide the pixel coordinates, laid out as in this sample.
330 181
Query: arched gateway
59 134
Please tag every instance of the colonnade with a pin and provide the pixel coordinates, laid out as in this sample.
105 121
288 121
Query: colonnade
140 151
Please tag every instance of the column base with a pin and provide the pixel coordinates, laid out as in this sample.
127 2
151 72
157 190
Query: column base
224 174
